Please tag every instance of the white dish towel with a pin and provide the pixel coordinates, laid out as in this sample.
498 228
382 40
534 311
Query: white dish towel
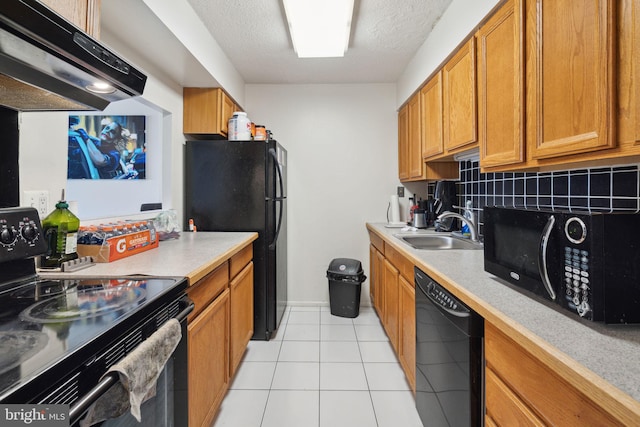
138 372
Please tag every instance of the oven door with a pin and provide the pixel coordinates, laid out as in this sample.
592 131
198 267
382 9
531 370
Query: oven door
520 246
168 407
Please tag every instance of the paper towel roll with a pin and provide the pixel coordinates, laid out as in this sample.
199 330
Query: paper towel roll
394 216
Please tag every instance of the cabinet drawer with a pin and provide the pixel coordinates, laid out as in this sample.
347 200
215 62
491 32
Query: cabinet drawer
240 260
503 406
376 241
208 288
545 393
400 262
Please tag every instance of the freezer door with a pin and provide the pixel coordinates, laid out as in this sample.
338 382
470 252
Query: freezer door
225 185
276 232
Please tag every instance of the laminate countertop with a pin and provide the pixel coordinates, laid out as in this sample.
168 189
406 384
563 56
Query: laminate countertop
586 353
193 255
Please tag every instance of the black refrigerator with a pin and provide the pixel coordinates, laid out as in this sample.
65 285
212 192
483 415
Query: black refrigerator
242 186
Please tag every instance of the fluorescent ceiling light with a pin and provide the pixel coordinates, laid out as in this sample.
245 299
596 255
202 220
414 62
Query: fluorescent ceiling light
319 28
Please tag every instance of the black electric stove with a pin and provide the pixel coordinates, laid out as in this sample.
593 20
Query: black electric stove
54 332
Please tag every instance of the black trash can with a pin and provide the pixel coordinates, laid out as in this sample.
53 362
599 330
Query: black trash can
345 284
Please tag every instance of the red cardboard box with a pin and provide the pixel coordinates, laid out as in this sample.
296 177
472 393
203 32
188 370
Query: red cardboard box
119 247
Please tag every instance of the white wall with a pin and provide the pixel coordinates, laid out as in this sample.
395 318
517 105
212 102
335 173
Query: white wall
342 164
43 149
458 21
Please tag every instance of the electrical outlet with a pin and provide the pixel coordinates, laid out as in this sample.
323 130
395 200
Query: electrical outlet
400 191
38 200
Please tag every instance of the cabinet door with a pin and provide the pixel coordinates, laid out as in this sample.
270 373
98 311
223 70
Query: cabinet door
379 285
373 274
407 338
85 14
206 111
208 347
227 107
431 112
241 288
403 143
459 90
570 88
391 304
501 87
414 132
635 33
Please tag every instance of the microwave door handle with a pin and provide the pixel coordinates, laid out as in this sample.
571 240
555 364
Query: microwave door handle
542 264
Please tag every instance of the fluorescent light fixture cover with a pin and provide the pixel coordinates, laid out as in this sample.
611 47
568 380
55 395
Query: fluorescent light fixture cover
319 28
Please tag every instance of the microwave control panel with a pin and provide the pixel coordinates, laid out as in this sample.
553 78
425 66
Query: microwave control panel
577 284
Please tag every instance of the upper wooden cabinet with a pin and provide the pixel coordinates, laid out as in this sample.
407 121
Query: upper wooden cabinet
207 111
628 71
85 14
412 125
403 143
431 104
414 140
570 76
501 103
460 99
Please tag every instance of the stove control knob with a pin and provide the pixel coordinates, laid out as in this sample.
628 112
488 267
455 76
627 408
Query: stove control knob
29 232
7 236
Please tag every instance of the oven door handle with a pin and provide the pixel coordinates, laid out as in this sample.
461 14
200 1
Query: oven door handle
542 264
83 404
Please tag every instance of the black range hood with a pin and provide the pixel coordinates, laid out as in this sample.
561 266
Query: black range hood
48 64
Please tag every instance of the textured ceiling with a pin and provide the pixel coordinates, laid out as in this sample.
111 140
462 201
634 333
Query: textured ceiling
385 35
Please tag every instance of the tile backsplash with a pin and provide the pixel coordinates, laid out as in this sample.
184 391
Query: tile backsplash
605 189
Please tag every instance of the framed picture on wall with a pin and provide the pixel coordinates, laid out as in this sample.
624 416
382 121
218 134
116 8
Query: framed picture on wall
106 147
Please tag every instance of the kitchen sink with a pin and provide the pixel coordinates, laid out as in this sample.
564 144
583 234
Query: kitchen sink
438 241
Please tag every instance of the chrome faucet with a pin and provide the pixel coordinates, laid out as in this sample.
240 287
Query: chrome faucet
469 222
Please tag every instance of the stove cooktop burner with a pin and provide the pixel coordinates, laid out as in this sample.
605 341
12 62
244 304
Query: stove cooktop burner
41 288
18 346
73 304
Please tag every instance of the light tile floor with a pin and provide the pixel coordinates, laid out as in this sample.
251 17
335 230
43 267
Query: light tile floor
320 370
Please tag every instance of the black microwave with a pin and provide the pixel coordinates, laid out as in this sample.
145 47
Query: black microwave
588 263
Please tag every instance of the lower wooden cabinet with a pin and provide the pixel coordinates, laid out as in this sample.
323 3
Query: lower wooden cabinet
407 336
393 298
219 330
521 390
241 288
376 259
391 294
208 348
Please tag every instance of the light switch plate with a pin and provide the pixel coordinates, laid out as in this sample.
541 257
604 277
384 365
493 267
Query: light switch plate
38 200
400 191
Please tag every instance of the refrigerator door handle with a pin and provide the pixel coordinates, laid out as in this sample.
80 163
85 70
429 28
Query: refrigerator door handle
272 245
276 166
277 199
